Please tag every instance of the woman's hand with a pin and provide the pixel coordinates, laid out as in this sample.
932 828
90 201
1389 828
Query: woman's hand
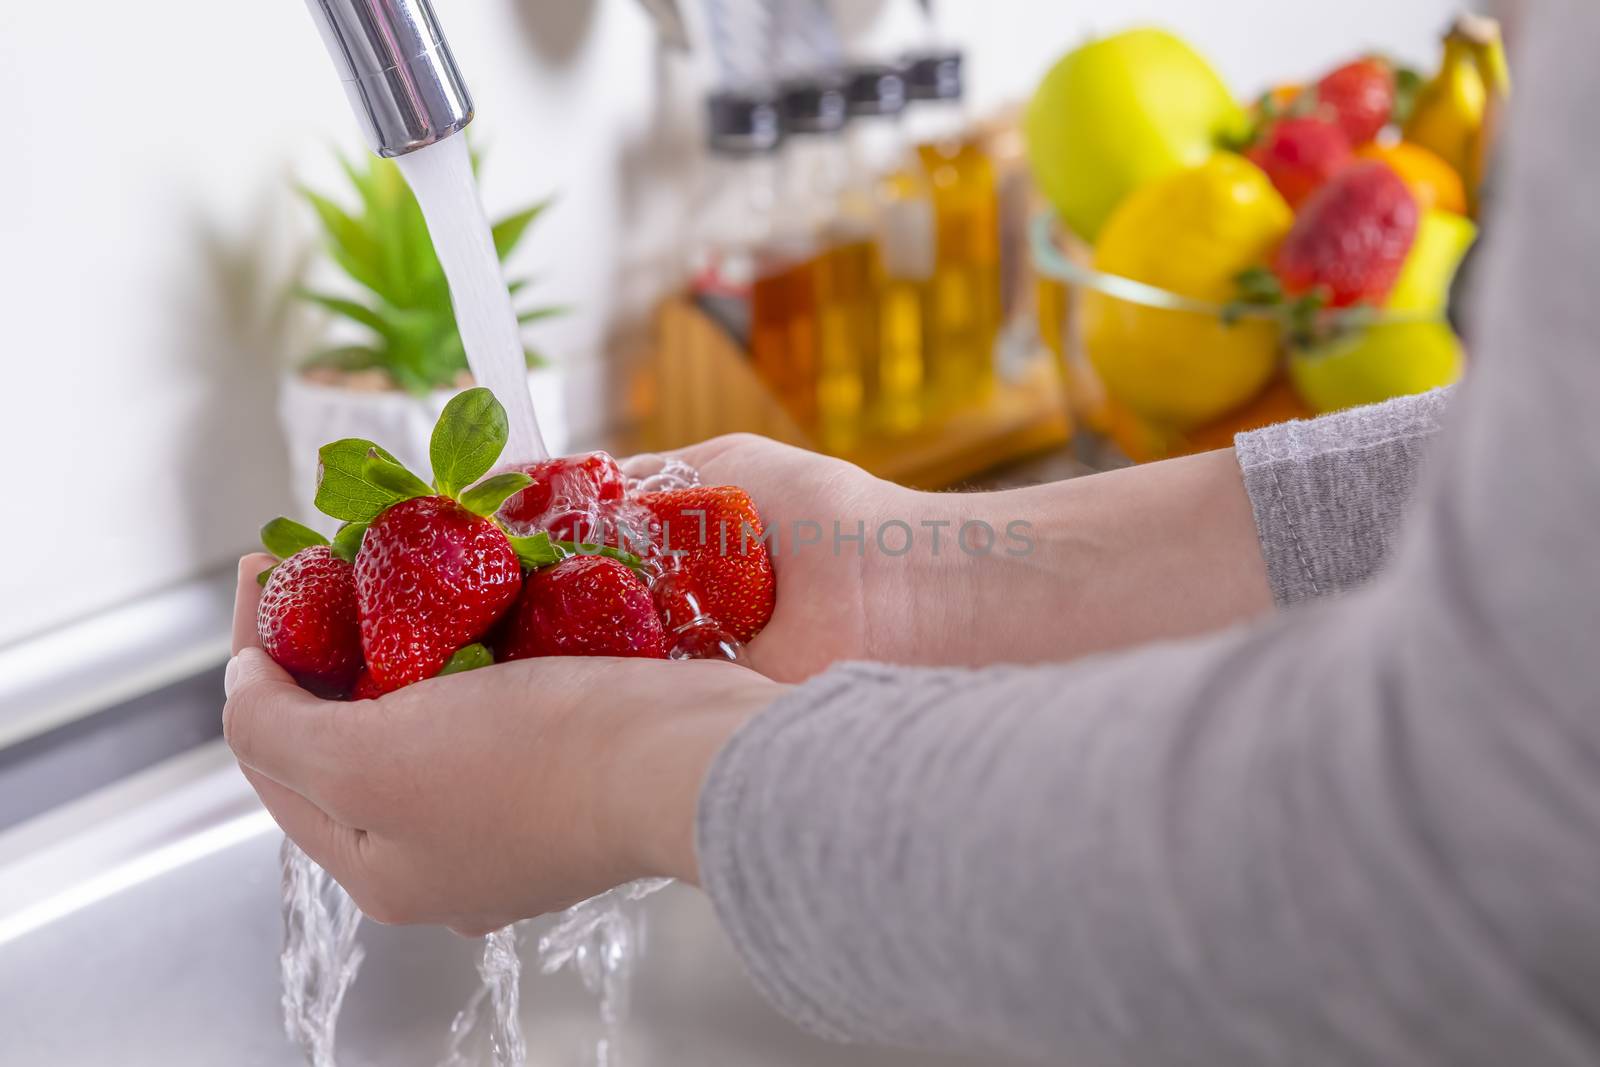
1042 574
481 798
837 600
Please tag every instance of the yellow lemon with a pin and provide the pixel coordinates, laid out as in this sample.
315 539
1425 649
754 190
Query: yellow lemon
1190 233
1442 240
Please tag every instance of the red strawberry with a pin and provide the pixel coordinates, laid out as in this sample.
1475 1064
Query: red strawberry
307 621
1299 154
571 483
1359 97
583 606
730 569
431 577
1351 238
366 687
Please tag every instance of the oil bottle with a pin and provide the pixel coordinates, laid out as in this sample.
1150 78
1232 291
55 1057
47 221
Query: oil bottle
735 216
966 285
827 277
890 201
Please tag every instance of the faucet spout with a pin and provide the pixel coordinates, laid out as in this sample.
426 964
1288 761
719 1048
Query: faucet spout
397 69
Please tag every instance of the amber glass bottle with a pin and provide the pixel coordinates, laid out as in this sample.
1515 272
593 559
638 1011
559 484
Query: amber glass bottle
828 278
890 201
966 286
732 264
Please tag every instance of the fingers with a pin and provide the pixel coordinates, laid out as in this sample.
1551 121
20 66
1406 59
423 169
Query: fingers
279 729
245 598
336 848
698 455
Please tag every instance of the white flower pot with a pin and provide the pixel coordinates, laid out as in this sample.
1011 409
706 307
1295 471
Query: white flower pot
314 414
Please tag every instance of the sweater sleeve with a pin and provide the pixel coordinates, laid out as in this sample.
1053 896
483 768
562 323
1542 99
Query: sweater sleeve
1360 832
1328 495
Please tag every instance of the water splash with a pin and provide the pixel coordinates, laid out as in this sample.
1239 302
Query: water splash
494 1012
600 941
441 176
320 955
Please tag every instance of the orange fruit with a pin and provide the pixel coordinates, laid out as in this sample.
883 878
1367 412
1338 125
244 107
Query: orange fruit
1433 182
1279 98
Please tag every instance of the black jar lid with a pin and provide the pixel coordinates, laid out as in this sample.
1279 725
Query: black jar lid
875 89
814 104
744 121
935 76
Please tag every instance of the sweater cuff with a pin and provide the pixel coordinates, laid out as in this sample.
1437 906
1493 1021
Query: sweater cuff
1329 494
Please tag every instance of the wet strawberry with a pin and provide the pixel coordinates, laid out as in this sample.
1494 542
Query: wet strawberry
583 606
570 483
1299 154
307 620
431 577
718 531
1359 97
366 687
1351 238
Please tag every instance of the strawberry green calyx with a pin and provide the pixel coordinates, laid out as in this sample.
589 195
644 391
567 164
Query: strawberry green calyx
627 559
487 496
536 551
470 435
359 481
347 542
284 537
344 490
382 471
470 658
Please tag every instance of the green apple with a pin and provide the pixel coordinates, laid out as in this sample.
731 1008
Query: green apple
1122 111
1388 360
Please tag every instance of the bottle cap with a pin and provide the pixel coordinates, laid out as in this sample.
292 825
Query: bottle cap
814 104
744 121
875 89
935 76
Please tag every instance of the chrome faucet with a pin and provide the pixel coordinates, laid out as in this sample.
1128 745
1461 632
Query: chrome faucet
397 69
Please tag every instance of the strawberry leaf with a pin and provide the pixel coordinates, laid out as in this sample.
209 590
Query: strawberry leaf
383 471
284 537
343 490
486 497
347 542
470 436
265 576
469 658
536 551
627 559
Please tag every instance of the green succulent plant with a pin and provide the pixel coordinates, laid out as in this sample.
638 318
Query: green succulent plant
385 249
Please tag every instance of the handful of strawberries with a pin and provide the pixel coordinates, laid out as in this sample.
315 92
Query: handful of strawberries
551 559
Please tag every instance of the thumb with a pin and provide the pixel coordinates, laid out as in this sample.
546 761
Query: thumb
251 667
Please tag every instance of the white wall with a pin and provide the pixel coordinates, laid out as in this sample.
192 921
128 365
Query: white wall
146 231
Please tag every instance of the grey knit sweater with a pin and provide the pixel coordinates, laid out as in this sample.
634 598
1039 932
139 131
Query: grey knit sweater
1364 831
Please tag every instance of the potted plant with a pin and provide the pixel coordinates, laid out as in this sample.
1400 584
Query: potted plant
400 356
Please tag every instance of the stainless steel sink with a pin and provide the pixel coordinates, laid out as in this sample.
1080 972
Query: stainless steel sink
141 926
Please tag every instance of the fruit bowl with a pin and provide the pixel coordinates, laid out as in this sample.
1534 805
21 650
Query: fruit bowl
1162 374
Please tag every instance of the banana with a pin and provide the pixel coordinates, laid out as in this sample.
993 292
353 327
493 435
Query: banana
1458 113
